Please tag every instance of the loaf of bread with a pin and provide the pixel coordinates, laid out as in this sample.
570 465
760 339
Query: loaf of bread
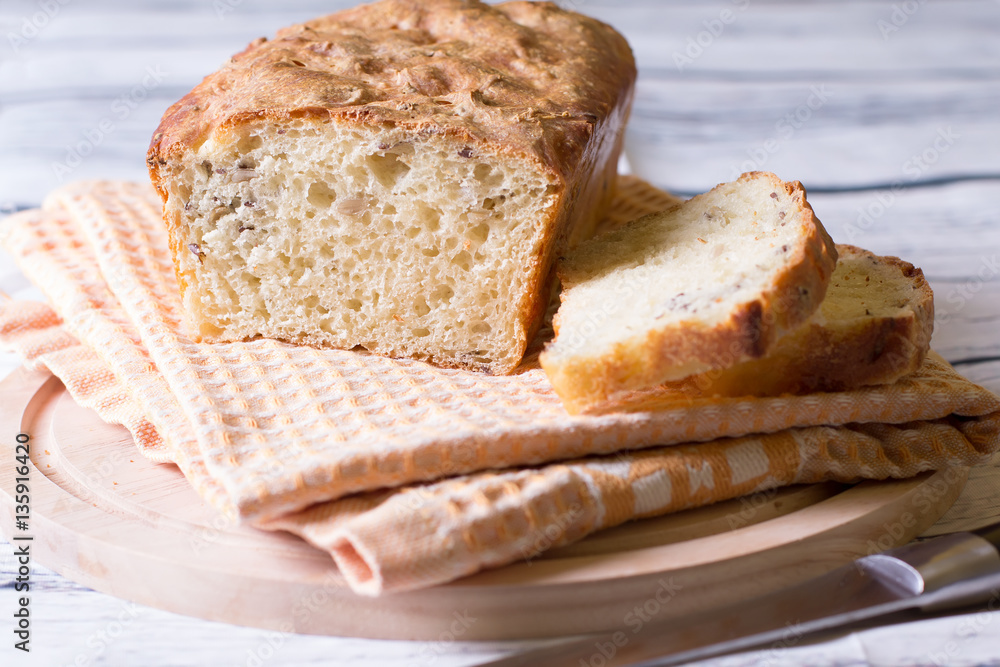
398 177
873 327
704 285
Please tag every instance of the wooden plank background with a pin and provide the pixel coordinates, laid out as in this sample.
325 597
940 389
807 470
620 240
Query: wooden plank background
888 112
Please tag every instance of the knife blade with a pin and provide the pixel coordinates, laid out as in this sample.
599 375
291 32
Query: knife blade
937 574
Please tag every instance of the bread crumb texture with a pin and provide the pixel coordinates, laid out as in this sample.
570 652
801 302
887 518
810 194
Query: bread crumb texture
873 327
703 285
397 177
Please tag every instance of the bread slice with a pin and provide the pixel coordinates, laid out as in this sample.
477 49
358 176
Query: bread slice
873 327
398 176
704 285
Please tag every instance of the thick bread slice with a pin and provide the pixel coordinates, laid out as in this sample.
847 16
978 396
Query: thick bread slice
873 327
398 176
707 284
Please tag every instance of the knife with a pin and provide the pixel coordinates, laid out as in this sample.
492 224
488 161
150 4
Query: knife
941 573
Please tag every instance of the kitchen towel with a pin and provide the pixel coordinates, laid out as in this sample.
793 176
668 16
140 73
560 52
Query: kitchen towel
411 475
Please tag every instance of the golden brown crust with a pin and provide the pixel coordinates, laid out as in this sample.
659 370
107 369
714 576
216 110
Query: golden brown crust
751 331
818 356
523 78
529 76
520 78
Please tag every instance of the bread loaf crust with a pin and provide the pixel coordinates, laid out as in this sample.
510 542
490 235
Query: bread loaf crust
540 82
522 79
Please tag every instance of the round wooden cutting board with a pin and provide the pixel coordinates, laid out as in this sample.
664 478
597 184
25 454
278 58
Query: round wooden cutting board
102 515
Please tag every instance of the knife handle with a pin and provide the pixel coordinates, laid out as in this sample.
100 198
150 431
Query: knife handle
991 534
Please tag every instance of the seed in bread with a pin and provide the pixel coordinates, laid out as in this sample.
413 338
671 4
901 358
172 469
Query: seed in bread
873 327
398 176
704 285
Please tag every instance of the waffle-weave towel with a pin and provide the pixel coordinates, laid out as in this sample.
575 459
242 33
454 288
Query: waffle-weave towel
309 440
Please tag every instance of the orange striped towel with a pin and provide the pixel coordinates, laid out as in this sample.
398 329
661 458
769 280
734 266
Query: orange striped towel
383 462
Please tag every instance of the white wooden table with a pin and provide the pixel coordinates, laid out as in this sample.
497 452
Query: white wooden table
888 112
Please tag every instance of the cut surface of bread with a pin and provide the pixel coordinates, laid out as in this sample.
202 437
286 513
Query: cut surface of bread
704 285
398 176
873 327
